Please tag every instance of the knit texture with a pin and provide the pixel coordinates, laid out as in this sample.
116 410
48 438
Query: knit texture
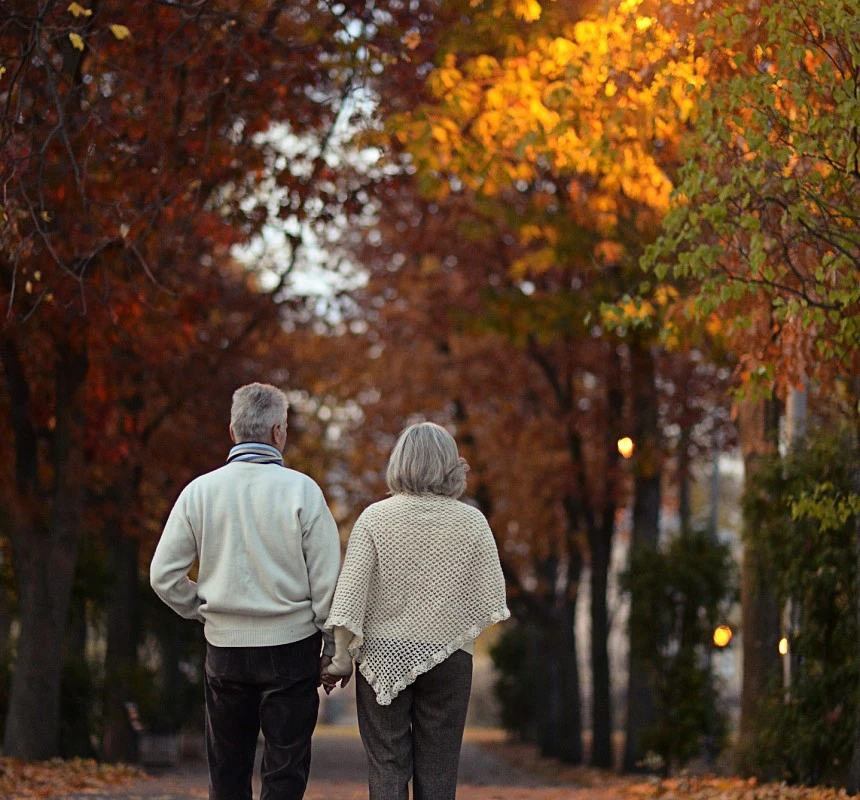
420 580
268 552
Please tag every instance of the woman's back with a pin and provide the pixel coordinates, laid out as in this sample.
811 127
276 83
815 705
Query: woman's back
428 566
421 580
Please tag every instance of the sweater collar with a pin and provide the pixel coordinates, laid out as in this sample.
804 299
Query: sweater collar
255 453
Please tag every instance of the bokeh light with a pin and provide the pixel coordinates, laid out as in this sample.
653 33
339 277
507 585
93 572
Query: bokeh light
722 636
626 447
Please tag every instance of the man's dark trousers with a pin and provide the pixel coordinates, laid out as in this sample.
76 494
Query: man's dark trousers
252 687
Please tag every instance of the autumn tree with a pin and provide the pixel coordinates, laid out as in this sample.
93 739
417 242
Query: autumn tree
764 225
133 144
764 232
523 171
563 124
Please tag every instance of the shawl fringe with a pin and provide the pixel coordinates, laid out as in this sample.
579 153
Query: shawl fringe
384 697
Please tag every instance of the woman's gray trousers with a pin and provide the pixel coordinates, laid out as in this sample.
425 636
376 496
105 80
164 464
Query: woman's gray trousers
419 735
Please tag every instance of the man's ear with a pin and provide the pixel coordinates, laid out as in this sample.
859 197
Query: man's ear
232 435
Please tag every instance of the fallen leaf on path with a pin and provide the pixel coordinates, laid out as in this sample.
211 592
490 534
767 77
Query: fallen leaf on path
27 779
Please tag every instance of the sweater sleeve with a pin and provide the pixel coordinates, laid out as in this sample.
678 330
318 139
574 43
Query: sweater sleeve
342 662
174 555
321 548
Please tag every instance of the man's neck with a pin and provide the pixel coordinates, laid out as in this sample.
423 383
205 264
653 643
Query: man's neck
256 453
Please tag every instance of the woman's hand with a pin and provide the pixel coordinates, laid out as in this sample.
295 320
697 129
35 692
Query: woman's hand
330 678
340 667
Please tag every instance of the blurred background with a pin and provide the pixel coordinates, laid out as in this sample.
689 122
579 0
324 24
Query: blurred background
611 246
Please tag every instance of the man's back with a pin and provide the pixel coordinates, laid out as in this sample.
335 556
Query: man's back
268 553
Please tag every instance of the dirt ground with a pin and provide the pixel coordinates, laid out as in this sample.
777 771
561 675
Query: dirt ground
339 772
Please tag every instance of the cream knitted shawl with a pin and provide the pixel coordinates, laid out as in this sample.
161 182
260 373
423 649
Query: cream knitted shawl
420 580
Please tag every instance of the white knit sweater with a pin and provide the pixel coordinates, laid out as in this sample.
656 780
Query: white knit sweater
269 555
420 580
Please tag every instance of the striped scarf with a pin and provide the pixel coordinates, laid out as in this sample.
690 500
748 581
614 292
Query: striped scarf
255 453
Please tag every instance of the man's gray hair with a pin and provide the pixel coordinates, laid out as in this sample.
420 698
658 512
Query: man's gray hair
257 408
425 461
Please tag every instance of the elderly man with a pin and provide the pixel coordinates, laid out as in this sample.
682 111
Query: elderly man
269 555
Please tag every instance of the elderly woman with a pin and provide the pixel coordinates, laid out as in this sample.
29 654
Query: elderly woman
420 581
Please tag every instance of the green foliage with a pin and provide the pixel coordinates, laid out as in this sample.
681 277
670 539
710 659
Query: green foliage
515 688
793 505
764 220
827 505
684 590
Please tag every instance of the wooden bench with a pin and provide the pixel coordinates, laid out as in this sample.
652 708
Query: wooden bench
151 749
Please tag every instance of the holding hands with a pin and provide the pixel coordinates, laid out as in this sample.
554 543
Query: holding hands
334 670
338 668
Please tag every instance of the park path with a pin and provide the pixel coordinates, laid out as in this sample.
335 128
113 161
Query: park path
339 772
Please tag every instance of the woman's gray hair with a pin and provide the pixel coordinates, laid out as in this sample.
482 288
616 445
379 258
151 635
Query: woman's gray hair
425 460
257 408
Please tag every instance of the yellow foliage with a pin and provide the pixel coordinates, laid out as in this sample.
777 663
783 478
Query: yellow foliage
714 325
536 261
482 67
586 99
528 10
665 294
529 233
439 133
77 41
120 31
78 10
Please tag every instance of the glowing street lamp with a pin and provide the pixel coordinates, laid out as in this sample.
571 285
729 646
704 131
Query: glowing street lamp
783 646
722 636
625 447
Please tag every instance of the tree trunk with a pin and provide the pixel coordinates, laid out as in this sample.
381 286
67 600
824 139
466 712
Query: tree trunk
600 535
854 771
760 611
685 514
76 695
45 547
570 744
33 718
172 693
601 715
6 619
641 700
560 717
553 710
118 743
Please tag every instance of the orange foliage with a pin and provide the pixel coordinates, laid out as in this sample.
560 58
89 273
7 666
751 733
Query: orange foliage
20 779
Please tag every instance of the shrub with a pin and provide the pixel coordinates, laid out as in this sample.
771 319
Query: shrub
793 504
686 589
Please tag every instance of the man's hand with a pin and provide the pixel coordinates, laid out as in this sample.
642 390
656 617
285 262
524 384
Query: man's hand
329 681
324 663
